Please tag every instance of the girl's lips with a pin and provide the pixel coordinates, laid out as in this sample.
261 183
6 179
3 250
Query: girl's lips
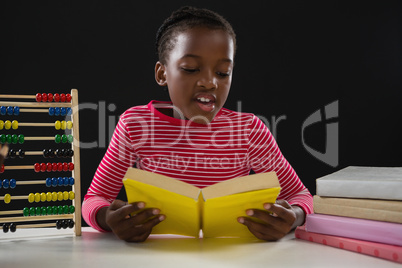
206 102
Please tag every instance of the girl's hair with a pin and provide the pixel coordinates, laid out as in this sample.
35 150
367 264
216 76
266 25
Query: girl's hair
187 18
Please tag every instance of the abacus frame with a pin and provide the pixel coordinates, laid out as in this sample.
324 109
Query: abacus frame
76 173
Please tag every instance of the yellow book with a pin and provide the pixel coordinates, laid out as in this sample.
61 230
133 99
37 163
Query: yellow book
213 209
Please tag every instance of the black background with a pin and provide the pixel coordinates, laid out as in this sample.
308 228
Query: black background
293 58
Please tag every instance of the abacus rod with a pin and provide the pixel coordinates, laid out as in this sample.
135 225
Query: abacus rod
34 153
16 197
18 167
34 110
36 124
39 225
39 138
11 212
35 104
30 182
35 218
17 96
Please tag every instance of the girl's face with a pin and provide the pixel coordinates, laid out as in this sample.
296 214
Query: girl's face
198 73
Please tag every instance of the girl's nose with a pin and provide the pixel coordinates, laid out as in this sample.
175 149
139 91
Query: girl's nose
208 81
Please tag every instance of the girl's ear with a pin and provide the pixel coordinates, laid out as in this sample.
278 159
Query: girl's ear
160 74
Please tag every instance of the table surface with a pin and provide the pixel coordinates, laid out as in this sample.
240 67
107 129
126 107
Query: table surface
30 248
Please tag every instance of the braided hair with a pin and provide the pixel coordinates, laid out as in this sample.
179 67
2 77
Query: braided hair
187 18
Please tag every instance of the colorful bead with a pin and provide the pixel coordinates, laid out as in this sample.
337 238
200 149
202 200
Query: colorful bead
71 195
37 167
60 181
57 125
43 211
57 138
38 211
37 197
71 181
60 196
13 227
7 124
68 97
44 97
31 197
69 124
62 97
63 125
49 210
69 111
14 139
10 110
3 110
51 111
49 196
38 97
13 183
56 97
1 124
21 153
57 111
65 166
64 138
70 166
49 97
54 166
21 138
15 124
59 166
48 182
32 211
48 167
16 110
70 138
63 111
9 138
3 138
65 209
43 197
65 195
2 168
71 209
42 167
54 196
25 212
6 183
54 182
7 198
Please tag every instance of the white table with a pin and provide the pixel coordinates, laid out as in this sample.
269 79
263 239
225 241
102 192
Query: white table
59 248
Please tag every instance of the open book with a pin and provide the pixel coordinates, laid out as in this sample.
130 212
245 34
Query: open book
214 209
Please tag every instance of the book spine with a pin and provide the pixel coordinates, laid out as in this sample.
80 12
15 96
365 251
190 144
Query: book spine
388 211
375 231
379 250
382 189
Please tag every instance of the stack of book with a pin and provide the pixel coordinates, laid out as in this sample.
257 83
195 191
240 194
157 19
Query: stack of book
358 209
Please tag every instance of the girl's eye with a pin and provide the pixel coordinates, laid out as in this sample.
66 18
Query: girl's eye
223 74
189 70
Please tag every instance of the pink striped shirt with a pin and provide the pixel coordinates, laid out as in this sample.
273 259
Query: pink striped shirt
230 146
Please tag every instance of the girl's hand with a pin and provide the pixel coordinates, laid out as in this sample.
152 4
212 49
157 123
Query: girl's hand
3 153
274 222
135 228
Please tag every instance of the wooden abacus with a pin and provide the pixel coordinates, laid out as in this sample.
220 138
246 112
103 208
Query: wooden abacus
67 216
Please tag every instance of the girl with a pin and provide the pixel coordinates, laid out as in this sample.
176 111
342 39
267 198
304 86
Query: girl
193 138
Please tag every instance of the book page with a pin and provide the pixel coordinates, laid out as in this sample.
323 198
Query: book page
241 184
165 182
